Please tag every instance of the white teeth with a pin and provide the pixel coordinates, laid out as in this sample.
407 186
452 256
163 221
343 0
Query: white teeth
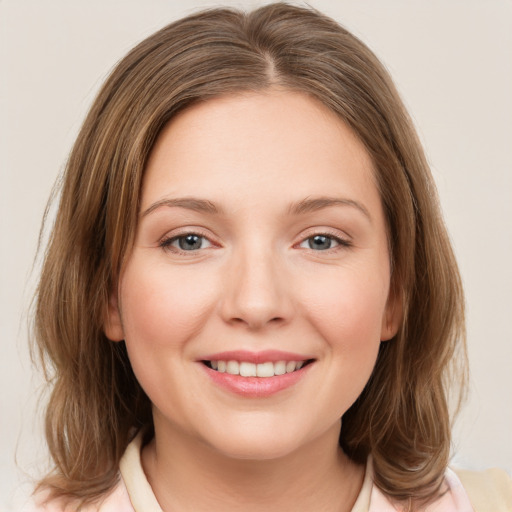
233 368
246 369
280 368
265 369
290 366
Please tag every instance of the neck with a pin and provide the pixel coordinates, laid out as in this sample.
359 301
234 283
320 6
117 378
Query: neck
186 475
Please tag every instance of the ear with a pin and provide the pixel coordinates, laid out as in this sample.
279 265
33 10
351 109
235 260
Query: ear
393 314
112 325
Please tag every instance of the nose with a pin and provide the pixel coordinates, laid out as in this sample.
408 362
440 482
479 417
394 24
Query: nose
256 294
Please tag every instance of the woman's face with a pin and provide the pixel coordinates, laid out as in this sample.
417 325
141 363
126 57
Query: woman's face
257 292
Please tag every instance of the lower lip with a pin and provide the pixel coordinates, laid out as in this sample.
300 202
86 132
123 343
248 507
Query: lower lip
256 387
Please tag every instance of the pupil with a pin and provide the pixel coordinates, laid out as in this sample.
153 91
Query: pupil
320 242
190 242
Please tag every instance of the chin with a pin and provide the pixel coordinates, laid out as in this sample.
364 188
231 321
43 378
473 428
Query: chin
261 442
257 449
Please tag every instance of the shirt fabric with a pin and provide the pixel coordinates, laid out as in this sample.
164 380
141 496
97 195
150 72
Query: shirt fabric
133 492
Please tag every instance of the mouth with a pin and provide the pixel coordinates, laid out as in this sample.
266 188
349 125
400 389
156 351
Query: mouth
256 374
263 370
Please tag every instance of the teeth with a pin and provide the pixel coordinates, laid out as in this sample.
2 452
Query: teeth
290 366
233 368
246 369
265 370
280 368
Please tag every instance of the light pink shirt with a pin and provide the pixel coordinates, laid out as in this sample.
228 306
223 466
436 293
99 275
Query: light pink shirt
134 494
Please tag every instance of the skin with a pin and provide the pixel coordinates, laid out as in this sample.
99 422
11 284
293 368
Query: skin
255 283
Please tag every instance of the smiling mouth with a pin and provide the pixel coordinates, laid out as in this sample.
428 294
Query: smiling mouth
263 370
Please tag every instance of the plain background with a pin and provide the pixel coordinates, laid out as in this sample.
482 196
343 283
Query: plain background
452 62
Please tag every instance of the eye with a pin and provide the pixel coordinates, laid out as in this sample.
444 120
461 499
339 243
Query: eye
321 242
187 242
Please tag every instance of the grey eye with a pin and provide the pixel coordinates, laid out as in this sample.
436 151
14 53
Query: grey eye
320 242
187 242
190 242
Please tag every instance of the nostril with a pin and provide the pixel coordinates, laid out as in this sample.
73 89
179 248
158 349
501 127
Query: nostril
255 322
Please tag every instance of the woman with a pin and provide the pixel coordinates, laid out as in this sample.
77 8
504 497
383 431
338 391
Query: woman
249 297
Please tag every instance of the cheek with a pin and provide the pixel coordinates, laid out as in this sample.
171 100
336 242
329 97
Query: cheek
162 309
164 306
348 308
348 317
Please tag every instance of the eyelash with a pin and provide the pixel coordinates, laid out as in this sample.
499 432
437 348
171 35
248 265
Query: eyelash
166 243
342 242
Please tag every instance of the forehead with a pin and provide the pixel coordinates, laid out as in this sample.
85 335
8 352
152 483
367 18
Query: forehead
278 144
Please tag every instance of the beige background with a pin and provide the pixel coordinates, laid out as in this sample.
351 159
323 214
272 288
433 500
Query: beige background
452 61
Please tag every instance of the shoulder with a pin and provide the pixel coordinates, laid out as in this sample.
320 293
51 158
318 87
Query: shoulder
132 492
463 491
115 501
489 490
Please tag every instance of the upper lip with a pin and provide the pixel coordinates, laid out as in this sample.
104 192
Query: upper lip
256 357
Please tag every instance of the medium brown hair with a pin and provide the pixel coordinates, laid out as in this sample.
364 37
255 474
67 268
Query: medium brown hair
402 416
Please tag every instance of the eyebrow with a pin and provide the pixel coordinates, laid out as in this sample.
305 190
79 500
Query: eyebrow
312 204
190 203
307 205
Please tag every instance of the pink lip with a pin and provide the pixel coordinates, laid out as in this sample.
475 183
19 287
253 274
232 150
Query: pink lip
256 357
255 387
